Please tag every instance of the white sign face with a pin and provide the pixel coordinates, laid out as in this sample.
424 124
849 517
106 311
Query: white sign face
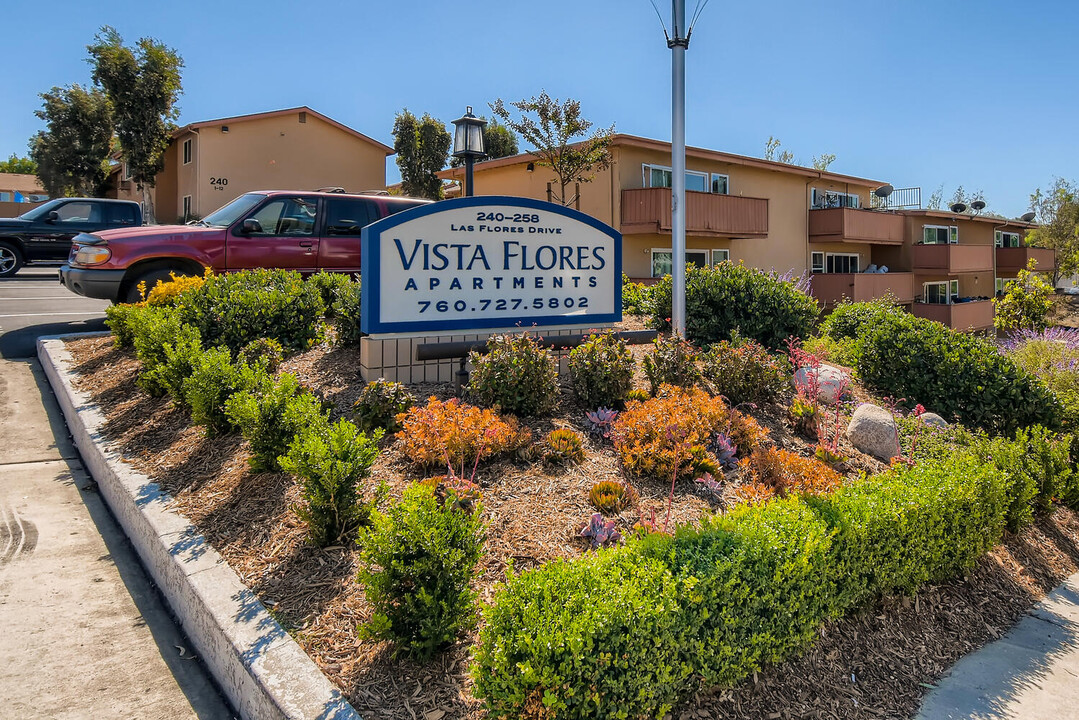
487 262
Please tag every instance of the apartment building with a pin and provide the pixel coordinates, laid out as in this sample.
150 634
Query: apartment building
783 217
209 163
19 193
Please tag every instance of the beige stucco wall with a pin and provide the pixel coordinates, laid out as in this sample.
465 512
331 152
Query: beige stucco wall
272 153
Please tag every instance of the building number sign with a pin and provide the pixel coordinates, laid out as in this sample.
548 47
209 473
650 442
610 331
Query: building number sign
219 183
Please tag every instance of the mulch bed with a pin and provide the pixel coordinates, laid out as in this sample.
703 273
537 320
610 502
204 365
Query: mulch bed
533 514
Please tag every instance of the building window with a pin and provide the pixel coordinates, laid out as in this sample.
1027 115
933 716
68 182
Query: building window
187 151
1006 239
721 184
842 262
187 208
940 293
1002 285
5 197
125 173
817 261
661 260
303 117
719 256
834 199
660 176
940 234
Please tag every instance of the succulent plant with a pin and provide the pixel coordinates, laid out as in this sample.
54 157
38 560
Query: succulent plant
725 450
601 531
708 482
563 446
600 421
610 496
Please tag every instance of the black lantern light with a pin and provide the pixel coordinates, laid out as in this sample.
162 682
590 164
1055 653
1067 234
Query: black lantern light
468 143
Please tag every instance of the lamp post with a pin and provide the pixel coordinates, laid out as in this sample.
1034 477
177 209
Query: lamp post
468 143
678 44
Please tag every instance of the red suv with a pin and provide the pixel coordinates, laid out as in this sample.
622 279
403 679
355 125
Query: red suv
304 231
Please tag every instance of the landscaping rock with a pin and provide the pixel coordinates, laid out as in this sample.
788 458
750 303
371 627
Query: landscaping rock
830 380
933 419
873 430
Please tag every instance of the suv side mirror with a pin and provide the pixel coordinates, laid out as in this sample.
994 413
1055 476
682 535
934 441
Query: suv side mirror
52 217
251 226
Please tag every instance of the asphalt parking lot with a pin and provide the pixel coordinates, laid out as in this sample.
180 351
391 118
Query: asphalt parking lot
34 303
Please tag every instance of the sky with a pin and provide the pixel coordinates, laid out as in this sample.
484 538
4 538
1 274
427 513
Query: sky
917 93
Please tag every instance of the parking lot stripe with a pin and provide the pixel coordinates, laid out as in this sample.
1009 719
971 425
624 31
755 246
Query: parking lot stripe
62 314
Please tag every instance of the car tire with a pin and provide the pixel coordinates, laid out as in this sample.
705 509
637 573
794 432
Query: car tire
151 278
11 260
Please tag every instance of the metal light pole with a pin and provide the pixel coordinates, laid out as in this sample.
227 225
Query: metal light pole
678 43
468 143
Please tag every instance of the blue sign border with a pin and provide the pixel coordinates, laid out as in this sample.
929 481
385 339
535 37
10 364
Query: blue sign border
370 257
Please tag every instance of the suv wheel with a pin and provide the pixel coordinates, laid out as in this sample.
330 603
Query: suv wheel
152 278
10 259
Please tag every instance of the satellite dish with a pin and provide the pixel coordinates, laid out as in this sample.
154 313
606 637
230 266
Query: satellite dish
884 191
1027 217
959 207
977 205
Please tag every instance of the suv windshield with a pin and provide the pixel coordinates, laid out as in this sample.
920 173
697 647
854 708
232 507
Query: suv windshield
225 216
40 211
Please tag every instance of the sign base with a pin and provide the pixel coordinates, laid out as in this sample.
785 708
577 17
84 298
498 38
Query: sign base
393 357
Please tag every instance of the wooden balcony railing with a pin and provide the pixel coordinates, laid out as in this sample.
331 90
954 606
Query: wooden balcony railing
1011 260
830 288
648 210
852 225
975 315
952 259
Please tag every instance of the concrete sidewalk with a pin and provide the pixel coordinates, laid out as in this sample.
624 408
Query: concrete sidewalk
84 634
1031 673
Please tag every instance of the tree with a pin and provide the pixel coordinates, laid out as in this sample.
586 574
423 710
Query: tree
15 164
823 161
421 147
1026 302
72 153
498 141
1057 212
770 149
553 133
936 198
142 85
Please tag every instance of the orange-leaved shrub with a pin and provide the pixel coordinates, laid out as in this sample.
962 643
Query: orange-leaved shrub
455 433
771 472
674 430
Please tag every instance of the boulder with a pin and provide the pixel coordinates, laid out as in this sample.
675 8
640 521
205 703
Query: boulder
830 381
873 430
930 418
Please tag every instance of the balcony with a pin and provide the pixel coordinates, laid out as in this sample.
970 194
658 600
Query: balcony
953 259
1010 260
830 288
852 225
648 210
975 315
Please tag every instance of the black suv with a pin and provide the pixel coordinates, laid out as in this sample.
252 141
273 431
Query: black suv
44 234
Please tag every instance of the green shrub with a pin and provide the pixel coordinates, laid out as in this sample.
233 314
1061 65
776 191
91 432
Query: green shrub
912 525
214 379
598 637
236 308
849 319
1053 357
118 319
330 461
152 330
1026 302
330 285
843 351
953 373
673 361
745 372
182 353
601 371
420 557
636 297
262 351
271 417
516 374
346 312
379 404
757 586
725 298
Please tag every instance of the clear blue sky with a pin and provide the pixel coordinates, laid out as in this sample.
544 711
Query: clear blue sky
914 93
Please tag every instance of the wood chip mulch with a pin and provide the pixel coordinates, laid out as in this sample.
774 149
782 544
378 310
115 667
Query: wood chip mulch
877 664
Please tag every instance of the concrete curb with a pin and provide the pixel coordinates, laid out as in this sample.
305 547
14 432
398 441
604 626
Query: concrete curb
261 669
